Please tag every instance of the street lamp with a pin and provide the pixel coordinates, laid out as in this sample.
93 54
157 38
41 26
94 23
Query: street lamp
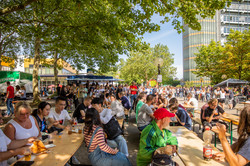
159 63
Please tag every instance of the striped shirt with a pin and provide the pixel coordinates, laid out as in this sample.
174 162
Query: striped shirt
98 140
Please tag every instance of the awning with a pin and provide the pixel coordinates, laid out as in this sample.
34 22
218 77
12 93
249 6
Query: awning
232 82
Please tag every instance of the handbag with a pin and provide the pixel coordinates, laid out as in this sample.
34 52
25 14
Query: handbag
163 160
112 129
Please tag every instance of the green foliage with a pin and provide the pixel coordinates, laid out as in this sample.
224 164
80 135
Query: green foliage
189 84
232 60
142 65
171 81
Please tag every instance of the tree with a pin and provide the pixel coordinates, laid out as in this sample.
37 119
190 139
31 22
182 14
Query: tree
97 31
208 61
236 57
232 60
141 64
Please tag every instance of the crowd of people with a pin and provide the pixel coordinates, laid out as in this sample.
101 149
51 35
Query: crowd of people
100 107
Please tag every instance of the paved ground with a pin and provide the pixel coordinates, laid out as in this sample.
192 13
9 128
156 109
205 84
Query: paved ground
132 136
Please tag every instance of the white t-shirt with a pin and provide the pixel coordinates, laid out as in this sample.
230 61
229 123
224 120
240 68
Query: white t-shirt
222 95
60 117
195 103
4 141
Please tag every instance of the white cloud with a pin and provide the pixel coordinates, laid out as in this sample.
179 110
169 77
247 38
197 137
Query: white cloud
152 37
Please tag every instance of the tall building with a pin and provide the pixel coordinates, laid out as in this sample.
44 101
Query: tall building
236 17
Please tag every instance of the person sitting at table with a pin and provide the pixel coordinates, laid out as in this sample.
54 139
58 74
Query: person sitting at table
154 136
59 114
193 102
145 114
40 114
23 126
12 148
111 127
141 99
124 100
116 107
213 114
99 152
81 109
239 153
183 119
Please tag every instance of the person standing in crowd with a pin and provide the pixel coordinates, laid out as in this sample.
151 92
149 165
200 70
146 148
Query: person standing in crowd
75 91
99 153
222 97
58 90
230 97
9 98
154 136
239 153
23 93
145 114
18 93
80 111
59 114
133 92
119 89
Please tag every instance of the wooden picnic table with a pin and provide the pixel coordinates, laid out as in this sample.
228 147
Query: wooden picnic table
66 146
187 106
190 148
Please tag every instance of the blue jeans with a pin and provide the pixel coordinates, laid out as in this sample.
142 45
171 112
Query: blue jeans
142 127
10 109
208 97
120 143
132 99
101 158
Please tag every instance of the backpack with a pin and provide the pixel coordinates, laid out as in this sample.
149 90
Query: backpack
112 129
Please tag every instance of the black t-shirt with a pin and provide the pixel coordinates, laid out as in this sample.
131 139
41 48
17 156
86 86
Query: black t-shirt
209 111
77 114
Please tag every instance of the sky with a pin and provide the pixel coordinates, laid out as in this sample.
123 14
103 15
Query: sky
167 35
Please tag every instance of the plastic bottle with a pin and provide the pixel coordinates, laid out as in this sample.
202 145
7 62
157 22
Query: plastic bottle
207 148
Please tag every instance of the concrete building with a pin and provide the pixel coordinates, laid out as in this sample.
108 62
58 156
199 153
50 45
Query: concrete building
236 17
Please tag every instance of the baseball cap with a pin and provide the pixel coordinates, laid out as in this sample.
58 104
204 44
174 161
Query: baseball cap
162 113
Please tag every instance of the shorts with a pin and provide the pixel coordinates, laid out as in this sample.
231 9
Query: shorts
222 100
230 101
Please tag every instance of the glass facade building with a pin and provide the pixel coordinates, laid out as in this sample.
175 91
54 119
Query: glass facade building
236 17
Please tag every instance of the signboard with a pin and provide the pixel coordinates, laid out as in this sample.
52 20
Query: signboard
159 78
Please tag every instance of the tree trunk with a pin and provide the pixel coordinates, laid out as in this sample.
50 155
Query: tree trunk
55 68
36 97
0 59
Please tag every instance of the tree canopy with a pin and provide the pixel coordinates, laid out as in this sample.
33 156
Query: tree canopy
229 61
143 65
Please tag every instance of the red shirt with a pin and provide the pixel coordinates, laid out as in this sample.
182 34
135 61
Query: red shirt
11 92
133 92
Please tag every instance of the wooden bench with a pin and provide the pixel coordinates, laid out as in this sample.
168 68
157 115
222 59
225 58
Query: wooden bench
196 121
121 121
215 135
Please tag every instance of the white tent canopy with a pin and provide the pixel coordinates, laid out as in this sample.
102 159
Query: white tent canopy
232 82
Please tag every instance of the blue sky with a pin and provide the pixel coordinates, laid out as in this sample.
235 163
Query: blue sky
167 36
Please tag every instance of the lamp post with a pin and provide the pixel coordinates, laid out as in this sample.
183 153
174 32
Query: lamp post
159 63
